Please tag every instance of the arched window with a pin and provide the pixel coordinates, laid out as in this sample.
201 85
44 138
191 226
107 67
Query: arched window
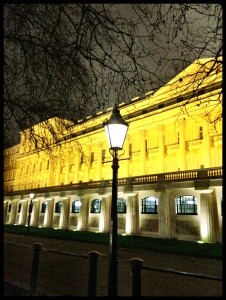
58 207
121 206
95 206
19 207
186 205
149 205
75 206
43 207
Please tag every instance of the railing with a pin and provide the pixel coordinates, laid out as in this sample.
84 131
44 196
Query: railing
137 266
189 175
92 276
135 263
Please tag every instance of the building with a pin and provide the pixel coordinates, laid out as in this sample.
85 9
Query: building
170 169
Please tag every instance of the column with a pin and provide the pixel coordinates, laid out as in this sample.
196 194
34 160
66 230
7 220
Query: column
182 145
161 149
12 216
83 214
99 161
67 169
23 212
104 223
206 146
65 214
35 212
127 162
49 213
87 163
132 214
77 166
58 172
142 152
166 211
207 222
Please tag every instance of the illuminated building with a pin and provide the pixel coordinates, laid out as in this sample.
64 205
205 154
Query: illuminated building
170 174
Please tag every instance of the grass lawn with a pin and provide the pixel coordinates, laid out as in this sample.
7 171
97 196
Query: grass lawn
174 246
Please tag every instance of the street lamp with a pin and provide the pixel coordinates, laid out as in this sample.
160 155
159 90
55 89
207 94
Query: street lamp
31 195
116 130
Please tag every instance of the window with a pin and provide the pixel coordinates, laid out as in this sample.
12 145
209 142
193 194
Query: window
95 206
40 166
121 206
149 205
82 159
178 138
43 207
58 207
19 207
186 205
92 157
130 150
103 155
9 208
200 133
75 206
146 146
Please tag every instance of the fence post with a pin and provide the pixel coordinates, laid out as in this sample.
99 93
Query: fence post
34 269
136 264
92 281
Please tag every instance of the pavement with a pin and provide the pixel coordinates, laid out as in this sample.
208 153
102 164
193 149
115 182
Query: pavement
65 275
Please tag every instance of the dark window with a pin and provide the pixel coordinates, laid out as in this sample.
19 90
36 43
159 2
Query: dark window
82 159
146 146
75 206
9 208
178 137
121 206
58 207
103 155
149 205
200 133
43 207
92 157
95 206
186 205
130 150
19 207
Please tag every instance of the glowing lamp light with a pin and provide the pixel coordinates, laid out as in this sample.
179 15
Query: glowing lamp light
116 130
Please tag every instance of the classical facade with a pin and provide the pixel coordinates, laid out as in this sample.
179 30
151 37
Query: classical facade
170 168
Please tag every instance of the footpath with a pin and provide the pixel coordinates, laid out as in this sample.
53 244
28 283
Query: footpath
64 275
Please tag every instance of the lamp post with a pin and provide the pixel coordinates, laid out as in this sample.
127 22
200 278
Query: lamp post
31 195
116 130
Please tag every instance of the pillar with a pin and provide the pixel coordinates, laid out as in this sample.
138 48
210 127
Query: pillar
166 211
206 146
207 222
132 214
65 214
161 149
142 152
83 214
182 145
48 219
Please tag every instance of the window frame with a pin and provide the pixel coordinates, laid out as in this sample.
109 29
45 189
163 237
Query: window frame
186 208
149 208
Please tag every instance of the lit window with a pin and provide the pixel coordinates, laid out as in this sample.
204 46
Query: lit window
149 205
121 206
58 207
186 205
75 206
95 206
